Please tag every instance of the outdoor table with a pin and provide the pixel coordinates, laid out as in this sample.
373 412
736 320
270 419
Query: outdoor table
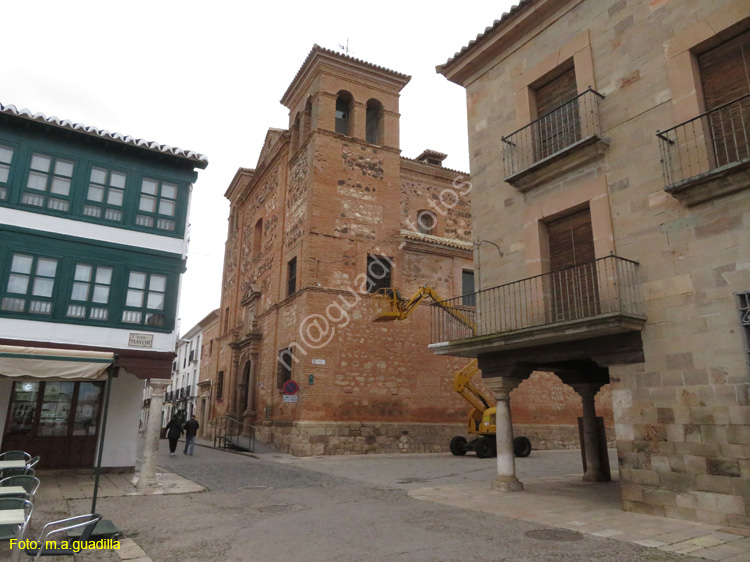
12 464
12 516
13 491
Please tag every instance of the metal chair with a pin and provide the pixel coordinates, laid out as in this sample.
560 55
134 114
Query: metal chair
4 473
85 523
31 463
15 456
15 531
28 482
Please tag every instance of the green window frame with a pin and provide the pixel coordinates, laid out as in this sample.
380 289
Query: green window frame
90 292
6 158
157 204
31 284
105 195
145 299
48 182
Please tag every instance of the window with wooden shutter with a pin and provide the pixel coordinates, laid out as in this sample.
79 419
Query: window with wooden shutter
558 123
573 278
725 77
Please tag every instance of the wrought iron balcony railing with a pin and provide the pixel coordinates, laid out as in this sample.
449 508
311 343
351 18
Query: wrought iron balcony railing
552 133
602 287
712 140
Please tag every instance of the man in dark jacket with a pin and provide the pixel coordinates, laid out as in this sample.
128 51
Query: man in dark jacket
174 430
191 428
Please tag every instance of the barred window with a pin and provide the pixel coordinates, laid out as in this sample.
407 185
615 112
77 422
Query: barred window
744 308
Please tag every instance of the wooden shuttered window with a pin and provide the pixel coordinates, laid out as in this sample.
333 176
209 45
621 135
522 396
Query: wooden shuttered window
571 240
558 124
573 278
725 77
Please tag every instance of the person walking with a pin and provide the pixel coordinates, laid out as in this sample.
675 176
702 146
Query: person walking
191 429
174 430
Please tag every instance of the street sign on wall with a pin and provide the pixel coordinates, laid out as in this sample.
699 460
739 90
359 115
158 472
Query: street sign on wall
290 388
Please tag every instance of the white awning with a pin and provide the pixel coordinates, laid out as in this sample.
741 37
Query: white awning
47 363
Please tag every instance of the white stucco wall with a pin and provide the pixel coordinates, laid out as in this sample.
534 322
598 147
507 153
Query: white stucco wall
121 438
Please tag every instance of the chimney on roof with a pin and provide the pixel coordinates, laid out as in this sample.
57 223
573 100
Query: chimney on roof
431 157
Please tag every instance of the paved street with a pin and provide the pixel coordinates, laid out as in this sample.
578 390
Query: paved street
435 507
276 507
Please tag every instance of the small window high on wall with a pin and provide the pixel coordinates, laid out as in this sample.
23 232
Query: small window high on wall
291 279
296 133
378 273
343 112
284 367
374 122
219 385
257 237
426 222
468 298
306 125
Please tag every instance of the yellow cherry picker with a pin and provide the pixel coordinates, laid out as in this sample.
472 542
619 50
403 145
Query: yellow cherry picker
481 418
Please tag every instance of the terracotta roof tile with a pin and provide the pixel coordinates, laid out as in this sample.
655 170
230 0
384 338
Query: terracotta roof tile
479 38
439 240
199 159
318 49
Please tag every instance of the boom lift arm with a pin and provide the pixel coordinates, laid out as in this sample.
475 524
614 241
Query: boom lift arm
399 309
481 418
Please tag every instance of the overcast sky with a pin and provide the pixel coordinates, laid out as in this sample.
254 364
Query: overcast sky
208 77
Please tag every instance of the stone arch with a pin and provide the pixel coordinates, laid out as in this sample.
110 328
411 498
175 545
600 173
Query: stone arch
296 133
374 122
344 111
306 125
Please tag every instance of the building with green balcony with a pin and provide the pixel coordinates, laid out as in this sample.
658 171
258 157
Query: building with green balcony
94 228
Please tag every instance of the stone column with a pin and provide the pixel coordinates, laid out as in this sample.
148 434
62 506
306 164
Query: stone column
357 126
506 480
153 428
249 414
587 392
232 388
